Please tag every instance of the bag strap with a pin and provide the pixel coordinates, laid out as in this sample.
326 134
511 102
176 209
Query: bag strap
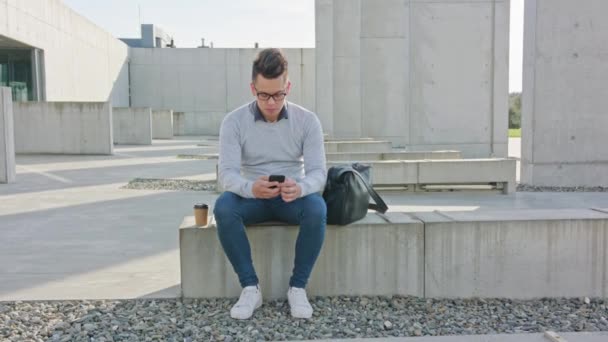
380 206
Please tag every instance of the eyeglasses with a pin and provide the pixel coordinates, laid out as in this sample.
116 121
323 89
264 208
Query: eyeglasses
276 96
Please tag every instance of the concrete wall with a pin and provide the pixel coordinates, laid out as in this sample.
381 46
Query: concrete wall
63 127
132 125
205 84
162 124
7 138
514 253
565 93
82 62
415 72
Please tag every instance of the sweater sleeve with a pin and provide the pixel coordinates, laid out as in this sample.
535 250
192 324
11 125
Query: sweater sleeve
314 158
229 164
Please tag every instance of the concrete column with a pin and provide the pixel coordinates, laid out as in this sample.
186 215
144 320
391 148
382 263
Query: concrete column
385 72
565 97
7 137
347 68
417 73
324 61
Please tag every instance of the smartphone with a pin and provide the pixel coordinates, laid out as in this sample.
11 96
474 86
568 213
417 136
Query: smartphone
276 178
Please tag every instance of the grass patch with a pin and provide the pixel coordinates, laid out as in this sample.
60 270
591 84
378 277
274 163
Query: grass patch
515 133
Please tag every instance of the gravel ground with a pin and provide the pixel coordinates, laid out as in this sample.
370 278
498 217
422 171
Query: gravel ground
190 185
334 317
170 184
532 188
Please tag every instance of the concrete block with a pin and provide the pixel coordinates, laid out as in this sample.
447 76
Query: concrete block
396 173
357 146
162 124
63 127
179 123
7 137
203 123
390 173
132 125
519 254
469 171
369 257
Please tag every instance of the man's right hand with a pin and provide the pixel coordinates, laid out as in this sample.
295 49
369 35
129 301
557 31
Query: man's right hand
262 188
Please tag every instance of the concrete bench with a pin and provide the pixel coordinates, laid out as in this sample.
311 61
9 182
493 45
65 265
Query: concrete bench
425 175
516 253
525 253
397 155
373 256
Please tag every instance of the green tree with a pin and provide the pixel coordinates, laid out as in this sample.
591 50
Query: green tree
515 110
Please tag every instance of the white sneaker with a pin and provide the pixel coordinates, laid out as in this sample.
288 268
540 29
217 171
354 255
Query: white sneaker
250 299
298 302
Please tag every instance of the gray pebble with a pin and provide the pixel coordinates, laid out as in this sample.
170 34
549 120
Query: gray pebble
335 317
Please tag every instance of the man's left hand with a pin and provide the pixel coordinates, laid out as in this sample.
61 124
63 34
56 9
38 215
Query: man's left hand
290 190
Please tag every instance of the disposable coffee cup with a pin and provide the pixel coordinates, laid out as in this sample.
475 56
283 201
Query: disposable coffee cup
200 214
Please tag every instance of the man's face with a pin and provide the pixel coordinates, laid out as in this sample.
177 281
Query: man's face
269 105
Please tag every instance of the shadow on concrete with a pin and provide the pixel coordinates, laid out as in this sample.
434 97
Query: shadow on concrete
35 182
51 245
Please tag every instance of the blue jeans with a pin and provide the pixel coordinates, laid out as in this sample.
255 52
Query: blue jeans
233 212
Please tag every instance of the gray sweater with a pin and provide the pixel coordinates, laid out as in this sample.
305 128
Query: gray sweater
250 147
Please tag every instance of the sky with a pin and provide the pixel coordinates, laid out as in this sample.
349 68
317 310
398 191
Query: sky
241 23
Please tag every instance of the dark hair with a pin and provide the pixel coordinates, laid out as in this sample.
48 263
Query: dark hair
271 63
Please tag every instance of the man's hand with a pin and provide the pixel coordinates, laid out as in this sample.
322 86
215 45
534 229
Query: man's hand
290 190
262 188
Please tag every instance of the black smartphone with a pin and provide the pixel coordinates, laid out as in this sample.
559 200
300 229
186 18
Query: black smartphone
276 178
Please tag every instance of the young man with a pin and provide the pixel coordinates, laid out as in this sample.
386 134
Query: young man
271 136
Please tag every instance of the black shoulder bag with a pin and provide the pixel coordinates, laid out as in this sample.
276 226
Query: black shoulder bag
347 194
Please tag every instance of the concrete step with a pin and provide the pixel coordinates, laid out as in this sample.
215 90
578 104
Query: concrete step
397 155
358 146
516 253
355 156
436 175
422 175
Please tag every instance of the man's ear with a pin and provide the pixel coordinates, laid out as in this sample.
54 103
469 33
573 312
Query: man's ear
288 88
253 91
